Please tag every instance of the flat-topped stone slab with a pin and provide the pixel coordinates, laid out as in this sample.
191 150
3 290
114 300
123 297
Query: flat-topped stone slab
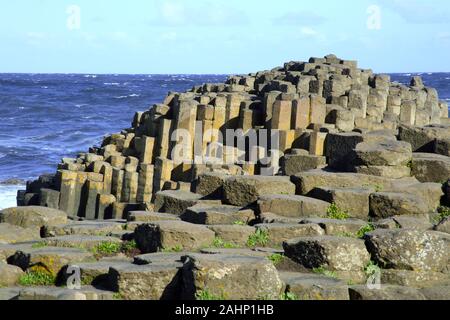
245 190
14 234
231 277
268 217
145 216
171 235
217 214
292 206
159 257
333 227
233 234
175 202
54 293
428 167
387 292
87 228
388 204
314 287
80 241
278 233
11 293
9 275
33 217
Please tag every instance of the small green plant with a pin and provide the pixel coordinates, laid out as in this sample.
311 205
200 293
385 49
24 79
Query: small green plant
117 296
220 244
36 279
239 223
106 249
276 258
129 246
39 245
176 249
366 229
371 269
322 270
289 296
205 295
259 238
334 212
443 213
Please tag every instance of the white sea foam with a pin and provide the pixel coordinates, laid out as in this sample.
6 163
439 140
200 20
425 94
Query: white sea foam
111 84
8 196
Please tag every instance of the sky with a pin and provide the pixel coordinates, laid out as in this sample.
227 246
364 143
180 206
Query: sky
220 36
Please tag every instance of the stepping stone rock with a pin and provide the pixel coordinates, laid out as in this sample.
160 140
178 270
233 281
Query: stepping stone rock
441 293
293 164
245 190
9 293
444 226
168 235
233 234
278 233
50 259
210 185
88 228
387 292
9 275
33 217
392 172
175 202
315 287
421 223
386 153
292 206
388 204
217 214
146 282
268 217
145 217
14 234
409 249
355 201
332 253
332 227
427 167
232 277
416 279
430 193
53 293
79 241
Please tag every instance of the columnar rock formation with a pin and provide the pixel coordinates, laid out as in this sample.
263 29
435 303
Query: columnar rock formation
336 187
307 105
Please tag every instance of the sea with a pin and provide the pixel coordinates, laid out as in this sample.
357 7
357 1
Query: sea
45 117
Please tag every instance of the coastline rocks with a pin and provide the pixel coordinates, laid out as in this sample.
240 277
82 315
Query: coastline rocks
9 275
14 234
217 214
171 235
388 204
278 233
385 293
33 217
427 167
413 250
245 190
292 206
230 277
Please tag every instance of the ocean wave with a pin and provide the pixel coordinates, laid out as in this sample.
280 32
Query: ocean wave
111 84
8 196
134 95
90 76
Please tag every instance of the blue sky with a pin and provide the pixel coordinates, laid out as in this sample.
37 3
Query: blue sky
220 36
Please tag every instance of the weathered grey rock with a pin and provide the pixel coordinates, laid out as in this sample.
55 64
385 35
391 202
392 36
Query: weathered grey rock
278 233
159 281
49 259
429 193
49 198
233 234
314 287
245 190
388 204
9 293
175 202
231 277
145 216
159 258
292 206
79 241
416 279
392 172
423 139
427 167
406 249
15 234
210 185
217 214
255 252
386 153
33 217
334 227
417 222
355 201
295 163
444 226
9 275
54 293
333 253
88 228
385 293
168 235
437 293
339 148
268 217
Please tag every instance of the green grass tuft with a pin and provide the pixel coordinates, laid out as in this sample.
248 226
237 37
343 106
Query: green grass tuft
334 212
220 244
322 270
371 269
37 279
239 223
39 245
444 213
175 249
205 295
288 296
259 238
107 249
